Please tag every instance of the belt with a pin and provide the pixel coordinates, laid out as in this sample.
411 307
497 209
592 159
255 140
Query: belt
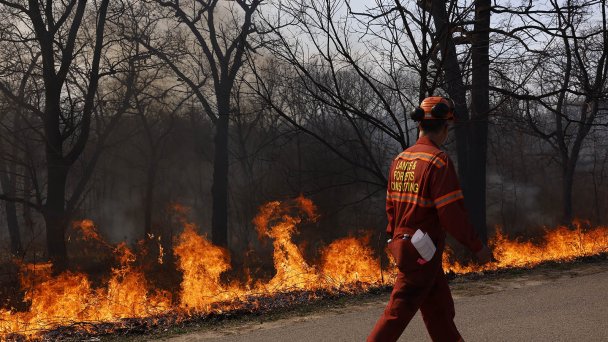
400 236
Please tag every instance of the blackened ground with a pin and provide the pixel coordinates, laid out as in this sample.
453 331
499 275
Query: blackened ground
555 302
339 316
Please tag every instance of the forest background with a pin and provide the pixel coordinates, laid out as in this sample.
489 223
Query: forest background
118 111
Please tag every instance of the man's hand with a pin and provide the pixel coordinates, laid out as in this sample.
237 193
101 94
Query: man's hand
484 255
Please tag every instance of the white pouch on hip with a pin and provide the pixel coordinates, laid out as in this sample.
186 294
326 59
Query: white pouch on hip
424 245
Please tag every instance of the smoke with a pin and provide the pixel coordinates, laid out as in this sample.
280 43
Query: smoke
120 217
516 205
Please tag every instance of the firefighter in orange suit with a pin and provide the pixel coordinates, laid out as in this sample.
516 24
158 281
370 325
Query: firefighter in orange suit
423 193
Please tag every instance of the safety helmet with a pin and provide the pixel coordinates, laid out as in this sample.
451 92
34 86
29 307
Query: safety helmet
436 108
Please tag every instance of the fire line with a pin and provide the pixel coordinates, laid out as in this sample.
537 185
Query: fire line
348 264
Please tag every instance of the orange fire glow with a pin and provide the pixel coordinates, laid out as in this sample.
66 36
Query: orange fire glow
70 298
559 244
349 261
88 230
347 264
276 222
202 264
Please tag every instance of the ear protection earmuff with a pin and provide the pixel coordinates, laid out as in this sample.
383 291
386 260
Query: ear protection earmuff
435 108
440 110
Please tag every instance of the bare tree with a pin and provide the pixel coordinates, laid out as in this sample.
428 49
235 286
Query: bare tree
8 186
11 152
570 79
365 93
70 39
221 32
156 114
400 44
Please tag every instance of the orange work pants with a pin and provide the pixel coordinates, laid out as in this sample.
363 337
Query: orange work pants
425 288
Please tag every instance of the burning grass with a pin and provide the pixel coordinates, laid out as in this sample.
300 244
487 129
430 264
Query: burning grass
557 244
70 305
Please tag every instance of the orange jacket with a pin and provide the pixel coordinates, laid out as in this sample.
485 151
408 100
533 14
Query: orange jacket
423 193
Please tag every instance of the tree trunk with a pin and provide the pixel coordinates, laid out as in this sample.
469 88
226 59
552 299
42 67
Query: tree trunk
55 216
8 187
478 142
28 220
596 200
454 86
567 183
471 135
149 196
219 189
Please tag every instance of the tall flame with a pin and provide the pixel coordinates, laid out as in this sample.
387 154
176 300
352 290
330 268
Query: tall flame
276 221
202 264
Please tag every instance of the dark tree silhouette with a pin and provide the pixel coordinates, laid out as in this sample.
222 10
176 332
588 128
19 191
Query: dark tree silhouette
223 42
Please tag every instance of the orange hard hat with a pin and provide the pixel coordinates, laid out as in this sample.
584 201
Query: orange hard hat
437 107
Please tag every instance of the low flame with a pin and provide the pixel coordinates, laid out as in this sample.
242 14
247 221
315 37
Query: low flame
347 264
559 244
70 298
350 261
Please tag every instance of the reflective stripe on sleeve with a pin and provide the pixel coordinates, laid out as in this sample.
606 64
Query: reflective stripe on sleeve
448 198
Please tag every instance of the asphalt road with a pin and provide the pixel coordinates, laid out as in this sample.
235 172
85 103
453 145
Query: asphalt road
561 309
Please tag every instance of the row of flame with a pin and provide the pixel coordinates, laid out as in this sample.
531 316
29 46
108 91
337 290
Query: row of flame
347 263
